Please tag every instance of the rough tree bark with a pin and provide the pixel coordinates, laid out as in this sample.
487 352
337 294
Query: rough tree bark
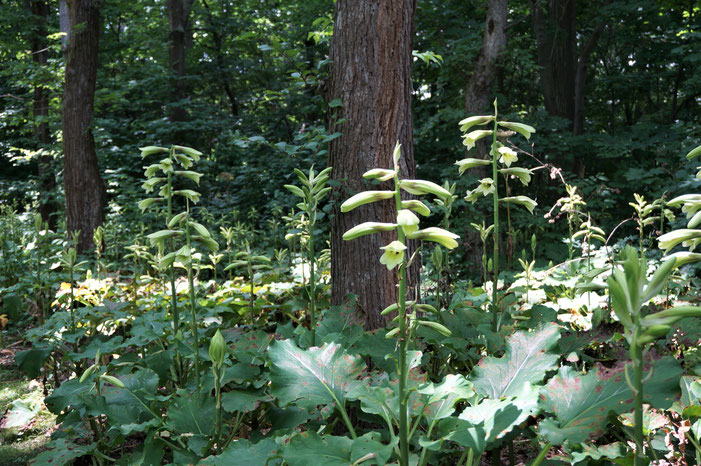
40 110
178 14
84 188
371 54
477 93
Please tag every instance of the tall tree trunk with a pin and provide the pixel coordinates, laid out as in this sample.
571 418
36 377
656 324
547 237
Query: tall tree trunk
477 92
84 188
563 71
178 13
40 109
556 39
371 75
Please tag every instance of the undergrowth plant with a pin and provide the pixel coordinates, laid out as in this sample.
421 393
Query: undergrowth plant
313 190
407 227
631 290
689 237
178 226
501 156
252 263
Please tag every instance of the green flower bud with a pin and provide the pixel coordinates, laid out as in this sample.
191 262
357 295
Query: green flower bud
365 197
217 349
437 235
113 380
368 228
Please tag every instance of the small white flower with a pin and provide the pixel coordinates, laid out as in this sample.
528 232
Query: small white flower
508 156
393 255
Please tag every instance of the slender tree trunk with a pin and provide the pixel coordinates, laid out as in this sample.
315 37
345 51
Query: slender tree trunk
556 39
40 110
218 57
477 93
178 13
84 188
371 75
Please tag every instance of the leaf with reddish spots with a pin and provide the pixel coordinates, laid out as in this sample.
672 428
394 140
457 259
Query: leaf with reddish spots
526 360
581 402
317 376
249 347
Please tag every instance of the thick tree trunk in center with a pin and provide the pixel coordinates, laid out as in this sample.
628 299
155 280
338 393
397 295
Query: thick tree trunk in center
85 189
371 75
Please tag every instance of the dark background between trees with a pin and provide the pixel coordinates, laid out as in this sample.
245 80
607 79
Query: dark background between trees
613 87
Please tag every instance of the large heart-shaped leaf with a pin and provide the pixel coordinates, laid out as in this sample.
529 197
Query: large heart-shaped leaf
442 398
478 426
192 413
309 448
308 378
526 360
581 402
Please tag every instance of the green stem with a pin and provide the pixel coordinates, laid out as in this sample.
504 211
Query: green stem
193 304
217 390
541 456
637 358
423 450
403 342
312 281
249 265
495 261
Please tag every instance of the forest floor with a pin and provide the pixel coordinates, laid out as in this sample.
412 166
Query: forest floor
18 445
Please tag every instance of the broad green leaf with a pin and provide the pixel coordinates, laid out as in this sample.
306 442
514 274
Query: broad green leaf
611 451
60 452
242 451
581 402
480 425
317 376
31 361
21 413
243 401
443 397
309 448
526 360
192 413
